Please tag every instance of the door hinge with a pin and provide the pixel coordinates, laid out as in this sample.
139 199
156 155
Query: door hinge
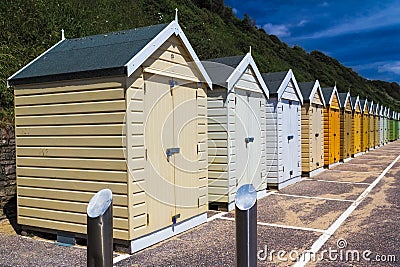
147 219
196 94
144 87
145 154
198 202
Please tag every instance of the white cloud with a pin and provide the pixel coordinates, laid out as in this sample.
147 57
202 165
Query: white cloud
278 30
234 10
302 23
367 22
390 67
324 4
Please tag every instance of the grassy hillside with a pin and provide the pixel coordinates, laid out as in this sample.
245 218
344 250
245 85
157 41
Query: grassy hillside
29 27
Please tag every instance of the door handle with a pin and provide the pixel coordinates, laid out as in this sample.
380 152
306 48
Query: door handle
290 137
317 134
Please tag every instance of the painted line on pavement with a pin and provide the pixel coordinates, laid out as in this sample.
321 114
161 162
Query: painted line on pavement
120 257
280 225
321 198
306 255
338 182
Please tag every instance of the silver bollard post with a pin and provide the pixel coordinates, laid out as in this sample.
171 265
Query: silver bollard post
246 226
100 230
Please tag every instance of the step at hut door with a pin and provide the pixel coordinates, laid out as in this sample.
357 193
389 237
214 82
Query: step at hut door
170 150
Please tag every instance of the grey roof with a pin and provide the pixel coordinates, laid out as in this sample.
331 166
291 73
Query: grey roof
362 103
274 80
306 89
342 99
97 55
327 93
219 73
353 100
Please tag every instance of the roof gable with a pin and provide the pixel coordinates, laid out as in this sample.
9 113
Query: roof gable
345 101
118 53
356 104
331 96
311 92
277 83
364 106
227 71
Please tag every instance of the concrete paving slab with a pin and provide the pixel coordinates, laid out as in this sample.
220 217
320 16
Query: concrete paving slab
325 190
352 177
298 212
373 226
213 244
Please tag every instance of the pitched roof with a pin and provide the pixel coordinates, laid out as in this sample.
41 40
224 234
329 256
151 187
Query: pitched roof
116 53
233 61
355 101
327 93
87 55
274 80
306 90
227 71
342 99
220 72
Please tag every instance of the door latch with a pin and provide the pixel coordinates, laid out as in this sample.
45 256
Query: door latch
171 151
249 140
290 137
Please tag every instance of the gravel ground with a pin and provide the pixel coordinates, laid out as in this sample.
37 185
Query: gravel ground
20 251
374 225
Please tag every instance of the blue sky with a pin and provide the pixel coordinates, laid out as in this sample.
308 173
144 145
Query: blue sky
363 35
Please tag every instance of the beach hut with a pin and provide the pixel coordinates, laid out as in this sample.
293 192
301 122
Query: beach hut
388 112
398 125
377 125
386 126
283 129
356 127
125 111
371 125
365 125
393 127
331 126
236 128
381 125
345 126
312 128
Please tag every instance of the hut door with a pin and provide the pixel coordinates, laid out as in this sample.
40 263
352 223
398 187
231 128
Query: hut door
317 137
289 133
158 136
170 150
248 138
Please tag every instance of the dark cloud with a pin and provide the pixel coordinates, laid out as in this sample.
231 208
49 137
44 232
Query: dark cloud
362 35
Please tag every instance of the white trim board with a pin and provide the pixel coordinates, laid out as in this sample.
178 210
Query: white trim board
155 237
280 225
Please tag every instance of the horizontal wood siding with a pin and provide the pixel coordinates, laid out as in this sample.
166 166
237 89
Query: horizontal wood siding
70 144
274 142
218 157
306 136
290 92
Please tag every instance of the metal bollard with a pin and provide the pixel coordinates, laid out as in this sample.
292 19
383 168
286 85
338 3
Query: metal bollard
100 230
246 226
